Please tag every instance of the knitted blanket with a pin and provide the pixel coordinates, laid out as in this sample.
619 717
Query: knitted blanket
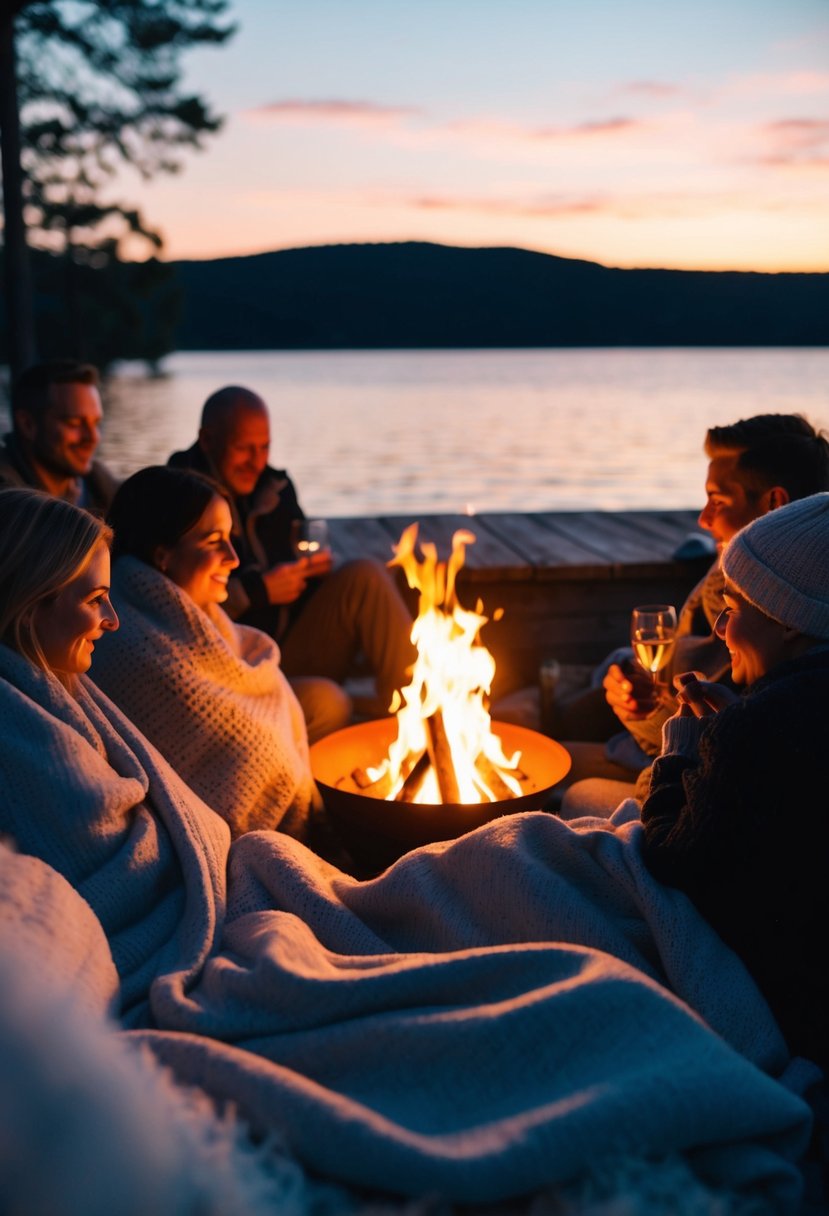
479 1022
212 697
120 1134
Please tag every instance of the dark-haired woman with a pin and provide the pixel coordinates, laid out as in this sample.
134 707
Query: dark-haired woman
210 694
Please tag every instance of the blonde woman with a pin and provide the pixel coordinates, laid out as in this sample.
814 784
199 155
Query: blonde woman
54 599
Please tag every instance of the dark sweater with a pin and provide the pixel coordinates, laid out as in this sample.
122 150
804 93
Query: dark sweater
743 829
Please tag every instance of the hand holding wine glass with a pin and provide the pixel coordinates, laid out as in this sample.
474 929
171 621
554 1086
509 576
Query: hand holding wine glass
309 539
652 635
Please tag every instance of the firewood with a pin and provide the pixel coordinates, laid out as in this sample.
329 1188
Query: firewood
414 777
374 789
492 779
441 757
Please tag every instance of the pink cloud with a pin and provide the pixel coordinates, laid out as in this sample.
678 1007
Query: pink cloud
650 206
650 88
768 84
333 110
545 205
602 126
341 112
498 133
796 141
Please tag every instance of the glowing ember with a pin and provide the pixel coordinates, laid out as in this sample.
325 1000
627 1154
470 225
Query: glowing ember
445 750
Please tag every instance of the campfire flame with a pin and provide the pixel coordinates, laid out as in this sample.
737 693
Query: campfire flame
445 750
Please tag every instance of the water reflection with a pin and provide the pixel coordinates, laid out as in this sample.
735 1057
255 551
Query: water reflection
425 431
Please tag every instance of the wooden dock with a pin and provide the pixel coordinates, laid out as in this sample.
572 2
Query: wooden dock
565 580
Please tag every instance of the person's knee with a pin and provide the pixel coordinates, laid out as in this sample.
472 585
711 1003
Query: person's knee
369 594
326 706
594 796
362 574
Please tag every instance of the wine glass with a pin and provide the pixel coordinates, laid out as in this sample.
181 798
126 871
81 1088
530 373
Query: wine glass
652 635
309 536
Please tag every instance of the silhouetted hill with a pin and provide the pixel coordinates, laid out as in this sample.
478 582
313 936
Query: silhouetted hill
426 295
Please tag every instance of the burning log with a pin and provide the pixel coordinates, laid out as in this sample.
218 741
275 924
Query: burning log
413 769
492 779
414 778
440 754
381 788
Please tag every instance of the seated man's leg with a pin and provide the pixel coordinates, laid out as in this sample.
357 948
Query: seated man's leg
589 760
357 609
325 706
597 796
585 715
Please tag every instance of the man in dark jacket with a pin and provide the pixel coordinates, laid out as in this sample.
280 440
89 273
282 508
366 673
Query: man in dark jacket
322 617
56 427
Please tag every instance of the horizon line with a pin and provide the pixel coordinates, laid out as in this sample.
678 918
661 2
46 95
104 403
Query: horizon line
328 244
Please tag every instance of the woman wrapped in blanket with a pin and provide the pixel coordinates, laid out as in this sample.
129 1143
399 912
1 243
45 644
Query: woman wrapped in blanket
736 815
555 980
174 522
209 694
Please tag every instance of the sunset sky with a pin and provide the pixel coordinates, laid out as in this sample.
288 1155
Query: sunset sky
629 132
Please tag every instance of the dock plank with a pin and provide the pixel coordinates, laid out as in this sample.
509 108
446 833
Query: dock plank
488 553
564 580
671 527
543 547
355 537
608 535
523 545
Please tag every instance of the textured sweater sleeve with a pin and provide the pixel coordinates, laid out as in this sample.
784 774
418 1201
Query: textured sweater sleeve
690 806
681 735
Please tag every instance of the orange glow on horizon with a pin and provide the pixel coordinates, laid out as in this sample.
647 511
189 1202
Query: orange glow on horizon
639 251
732 176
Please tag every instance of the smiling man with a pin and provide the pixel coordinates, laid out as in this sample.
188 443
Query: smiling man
56 417
325 618
755 466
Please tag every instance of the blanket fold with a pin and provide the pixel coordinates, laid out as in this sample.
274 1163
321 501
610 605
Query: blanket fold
212 697
477 1022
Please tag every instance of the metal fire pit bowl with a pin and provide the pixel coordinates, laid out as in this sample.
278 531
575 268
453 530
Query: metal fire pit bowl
378 832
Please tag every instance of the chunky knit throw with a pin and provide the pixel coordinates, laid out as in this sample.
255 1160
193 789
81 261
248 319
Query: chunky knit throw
120 1134
212 698
486 1018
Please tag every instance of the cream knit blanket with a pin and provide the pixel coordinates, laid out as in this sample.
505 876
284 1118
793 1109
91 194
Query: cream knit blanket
212 697
119 1133
488 1017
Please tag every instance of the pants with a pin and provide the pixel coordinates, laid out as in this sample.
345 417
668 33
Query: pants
356 611
325 706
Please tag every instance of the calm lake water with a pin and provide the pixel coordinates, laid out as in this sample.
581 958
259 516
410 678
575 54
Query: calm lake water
377 432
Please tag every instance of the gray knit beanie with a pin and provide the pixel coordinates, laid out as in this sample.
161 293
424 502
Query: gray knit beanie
780 564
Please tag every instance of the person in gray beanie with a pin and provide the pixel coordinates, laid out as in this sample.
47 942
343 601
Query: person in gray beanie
736 815
781 565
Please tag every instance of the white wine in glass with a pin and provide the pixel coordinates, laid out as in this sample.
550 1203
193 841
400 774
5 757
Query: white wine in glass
652 635
309 536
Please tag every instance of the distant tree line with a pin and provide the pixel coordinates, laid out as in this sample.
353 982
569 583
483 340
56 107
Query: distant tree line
412 295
